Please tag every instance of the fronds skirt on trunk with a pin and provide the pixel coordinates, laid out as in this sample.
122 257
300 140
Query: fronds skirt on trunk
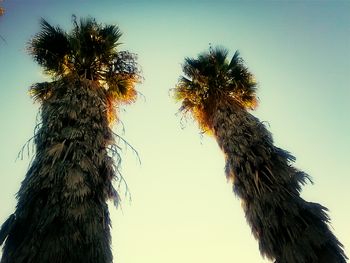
288 228
62 214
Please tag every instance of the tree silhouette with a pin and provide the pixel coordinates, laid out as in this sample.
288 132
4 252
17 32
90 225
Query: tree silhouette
218 93
62 214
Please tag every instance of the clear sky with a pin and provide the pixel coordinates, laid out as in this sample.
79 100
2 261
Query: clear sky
182 208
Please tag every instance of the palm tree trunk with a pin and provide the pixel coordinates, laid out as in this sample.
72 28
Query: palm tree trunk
288 228
62 215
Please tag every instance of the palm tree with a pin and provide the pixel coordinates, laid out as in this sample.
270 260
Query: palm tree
62 214
218 94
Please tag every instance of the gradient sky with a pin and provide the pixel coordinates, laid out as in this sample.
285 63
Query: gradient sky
182 208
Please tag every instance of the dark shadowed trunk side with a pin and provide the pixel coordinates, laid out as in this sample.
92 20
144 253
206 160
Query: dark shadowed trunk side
288 228
62 214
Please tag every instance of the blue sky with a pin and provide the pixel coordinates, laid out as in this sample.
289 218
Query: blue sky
182 208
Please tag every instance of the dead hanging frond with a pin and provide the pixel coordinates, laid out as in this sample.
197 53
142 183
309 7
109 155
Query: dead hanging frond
116 183
111 111
196 112
190 112
127 145
115 197
29 144
55 151
122 185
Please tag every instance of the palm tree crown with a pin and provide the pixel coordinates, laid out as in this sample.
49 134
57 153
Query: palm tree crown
211 78
89 52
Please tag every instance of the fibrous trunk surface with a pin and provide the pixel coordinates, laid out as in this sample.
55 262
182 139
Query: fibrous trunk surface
62 215
288 228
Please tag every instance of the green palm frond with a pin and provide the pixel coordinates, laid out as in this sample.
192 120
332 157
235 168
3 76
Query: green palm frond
110 35
244 80
218 55
94 46
85 40
235 59
50 47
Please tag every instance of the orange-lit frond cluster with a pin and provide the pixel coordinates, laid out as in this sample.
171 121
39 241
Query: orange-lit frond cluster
193 104
190 91
121 90
111 111
203 119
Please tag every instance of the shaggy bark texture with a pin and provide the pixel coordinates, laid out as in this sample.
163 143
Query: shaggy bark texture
288 228
62 214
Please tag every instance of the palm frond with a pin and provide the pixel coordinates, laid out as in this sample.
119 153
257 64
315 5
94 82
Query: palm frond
219 55
110 35
190 90
244 82
122 88
235 59
124 62
41 91
50 47
122 76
